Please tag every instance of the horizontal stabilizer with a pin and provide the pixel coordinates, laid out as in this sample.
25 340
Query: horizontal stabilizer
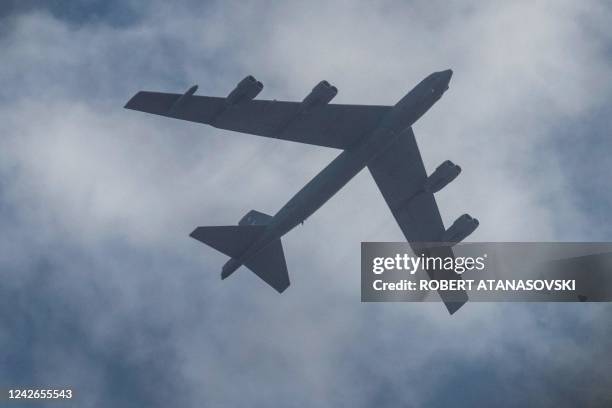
270 265
232 240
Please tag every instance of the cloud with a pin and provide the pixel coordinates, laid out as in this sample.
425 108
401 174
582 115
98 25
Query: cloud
110 295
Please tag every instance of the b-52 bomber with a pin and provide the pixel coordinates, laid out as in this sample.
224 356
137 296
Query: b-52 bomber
377 137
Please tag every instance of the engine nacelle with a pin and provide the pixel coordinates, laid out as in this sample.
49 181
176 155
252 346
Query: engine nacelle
246 90
460 229
444 174
321 94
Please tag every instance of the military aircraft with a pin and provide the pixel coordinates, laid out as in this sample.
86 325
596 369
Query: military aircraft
377 137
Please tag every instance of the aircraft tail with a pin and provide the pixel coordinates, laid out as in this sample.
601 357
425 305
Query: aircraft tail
234 240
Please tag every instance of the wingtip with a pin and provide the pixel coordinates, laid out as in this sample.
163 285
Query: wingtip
130 104
281 290
194 232
452 307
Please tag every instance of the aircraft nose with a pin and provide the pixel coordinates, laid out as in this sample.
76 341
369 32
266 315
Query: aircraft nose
444 78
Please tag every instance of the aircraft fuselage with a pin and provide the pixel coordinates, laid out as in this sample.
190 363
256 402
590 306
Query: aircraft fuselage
348 164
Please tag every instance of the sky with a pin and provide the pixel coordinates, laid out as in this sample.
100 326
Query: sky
102 290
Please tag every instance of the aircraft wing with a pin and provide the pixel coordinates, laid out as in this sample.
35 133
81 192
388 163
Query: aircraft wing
329 125
400 175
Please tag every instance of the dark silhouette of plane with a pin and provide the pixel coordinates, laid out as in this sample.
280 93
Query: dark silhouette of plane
379 137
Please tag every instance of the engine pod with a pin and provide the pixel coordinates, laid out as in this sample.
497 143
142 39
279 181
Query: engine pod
246 90
461 229
321 94
444 174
